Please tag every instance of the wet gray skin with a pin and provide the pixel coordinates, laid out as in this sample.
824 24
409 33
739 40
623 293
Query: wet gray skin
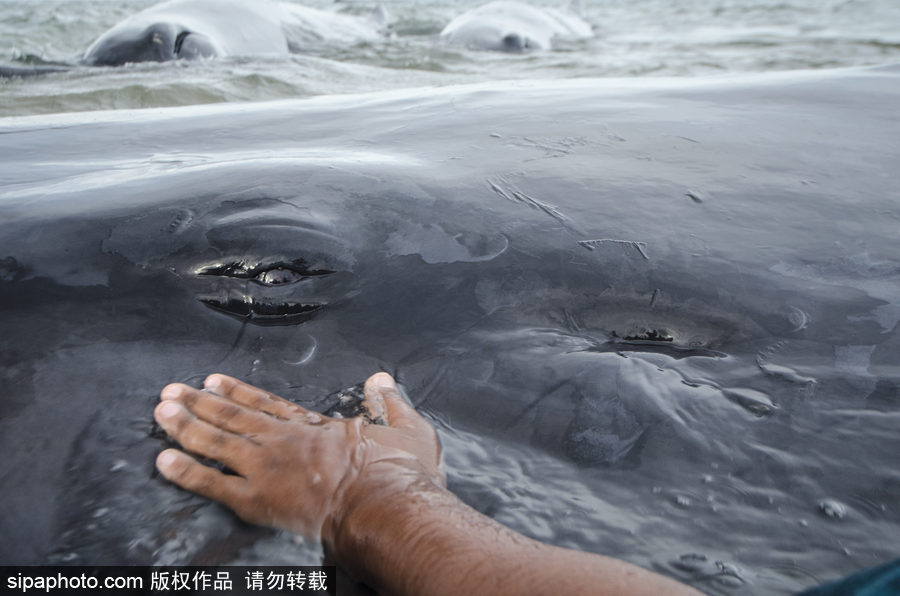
159 42
203 29
651 319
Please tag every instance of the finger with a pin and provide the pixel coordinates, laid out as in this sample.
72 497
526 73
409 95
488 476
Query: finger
252 397
188 473
219 411
200 437
375 410
399 413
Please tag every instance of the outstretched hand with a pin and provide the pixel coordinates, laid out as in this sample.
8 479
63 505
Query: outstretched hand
294 469
375 495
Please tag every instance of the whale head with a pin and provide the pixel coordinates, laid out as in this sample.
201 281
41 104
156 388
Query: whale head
584 329
158 42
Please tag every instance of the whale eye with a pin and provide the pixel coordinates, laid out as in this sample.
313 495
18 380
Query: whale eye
265 307
649 335
279 276
272 274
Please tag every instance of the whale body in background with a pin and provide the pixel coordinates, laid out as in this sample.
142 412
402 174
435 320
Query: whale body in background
191 29
650 318
510 26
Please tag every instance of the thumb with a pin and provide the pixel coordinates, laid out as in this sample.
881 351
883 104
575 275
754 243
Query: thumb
381 388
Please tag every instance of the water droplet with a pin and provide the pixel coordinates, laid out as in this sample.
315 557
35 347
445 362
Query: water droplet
832 508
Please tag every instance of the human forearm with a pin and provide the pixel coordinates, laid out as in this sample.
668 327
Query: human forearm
424 540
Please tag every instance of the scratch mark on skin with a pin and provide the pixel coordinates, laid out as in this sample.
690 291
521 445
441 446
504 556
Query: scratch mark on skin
695 196
592 244
552 147
511 193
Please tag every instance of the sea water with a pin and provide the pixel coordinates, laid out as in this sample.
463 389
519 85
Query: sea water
633 39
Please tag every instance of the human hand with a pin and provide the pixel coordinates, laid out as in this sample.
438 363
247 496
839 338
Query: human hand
295 469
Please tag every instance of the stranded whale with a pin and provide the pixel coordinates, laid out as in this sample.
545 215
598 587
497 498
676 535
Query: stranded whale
509 26
198 29
656 318
189 29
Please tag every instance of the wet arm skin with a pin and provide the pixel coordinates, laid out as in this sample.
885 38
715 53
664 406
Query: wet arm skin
426 541
375 495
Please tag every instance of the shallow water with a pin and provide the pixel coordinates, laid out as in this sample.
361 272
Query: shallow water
653 317
647 38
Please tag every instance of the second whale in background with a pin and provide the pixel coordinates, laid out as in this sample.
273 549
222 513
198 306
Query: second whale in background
510 26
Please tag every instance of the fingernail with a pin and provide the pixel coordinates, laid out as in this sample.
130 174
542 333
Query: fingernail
169 410
170 392
166 459
384 380
212 382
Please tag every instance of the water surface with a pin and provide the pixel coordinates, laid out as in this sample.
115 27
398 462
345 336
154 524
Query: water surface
645 38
